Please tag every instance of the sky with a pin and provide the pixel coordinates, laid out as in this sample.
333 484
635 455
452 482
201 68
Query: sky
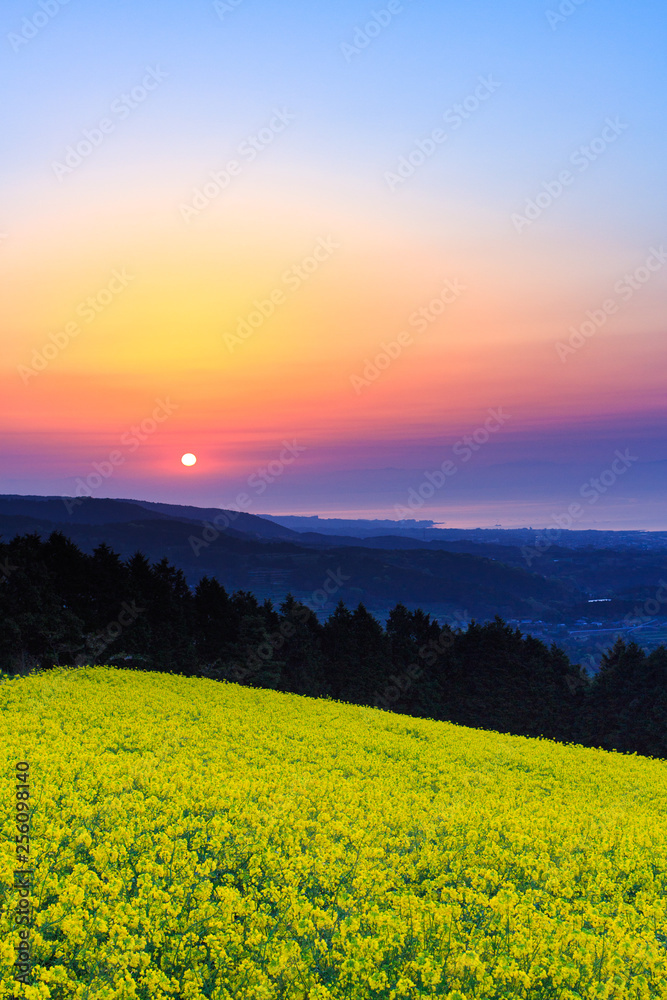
402 259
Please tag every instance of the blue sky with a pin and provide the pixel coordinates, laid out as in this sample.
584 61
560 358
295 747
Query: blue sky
559 76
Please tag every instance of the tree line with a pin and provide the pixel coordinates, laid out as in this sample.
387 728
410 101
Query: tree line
59 605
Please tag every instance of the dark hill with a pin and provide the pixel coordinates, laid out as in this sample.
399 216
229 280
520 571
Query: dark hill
440 581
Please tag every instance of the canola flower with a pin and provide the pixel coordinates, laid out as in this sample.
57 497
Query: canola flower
192 839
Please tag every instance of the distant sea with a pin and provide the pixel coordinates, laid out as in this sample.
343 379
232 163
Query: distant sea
607 515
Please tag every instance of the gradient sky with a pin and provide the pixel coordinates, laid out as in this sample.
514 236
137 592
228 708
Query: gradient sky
498 166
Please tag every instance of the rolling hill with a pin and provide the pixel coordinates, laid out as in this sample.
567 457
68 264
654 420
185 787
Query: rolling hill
203 840
254 554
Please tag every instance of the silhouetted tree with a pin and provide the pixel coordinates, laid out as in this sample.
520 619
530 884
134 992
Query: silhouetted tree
213 625
301 649
338 646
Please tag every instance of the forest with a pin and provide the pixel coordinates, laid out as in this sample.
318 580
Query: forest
61 606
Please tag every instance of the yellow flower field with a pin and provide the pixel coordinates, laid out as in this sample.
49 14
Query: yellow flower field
193 839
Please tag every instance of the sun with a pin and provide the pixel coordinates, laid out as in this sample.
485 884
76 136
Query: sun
189 459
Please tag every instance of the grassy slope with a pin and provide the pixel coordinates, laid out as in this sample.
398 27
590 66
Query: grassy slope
194 839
